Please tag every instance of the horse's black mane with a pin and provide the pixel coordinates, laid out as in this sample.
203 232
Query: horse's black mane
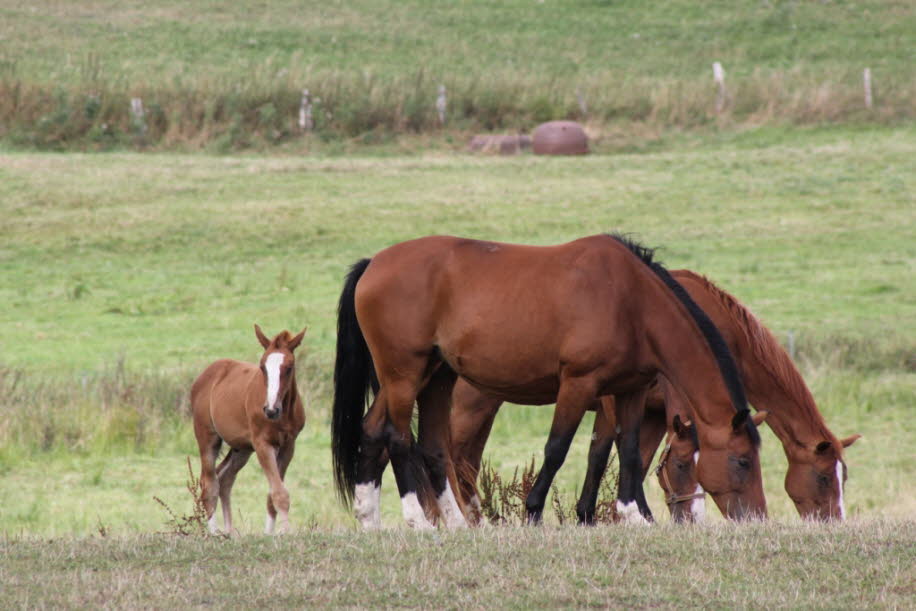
719 348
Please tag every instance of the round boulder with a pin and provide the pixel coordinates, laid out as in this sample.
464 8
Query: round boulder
559 138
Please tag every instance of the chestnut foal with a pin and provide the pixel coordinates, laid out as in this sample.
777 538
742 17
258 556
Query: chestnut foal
253 409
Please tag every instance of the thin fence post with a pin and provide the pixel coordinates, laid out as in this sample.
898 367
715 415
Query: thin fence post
441 104
583 107
718 75
866 82
305 112
137 114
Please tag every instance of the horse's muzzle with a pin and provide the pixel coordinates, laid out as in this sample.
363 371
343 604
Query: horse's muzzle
272 414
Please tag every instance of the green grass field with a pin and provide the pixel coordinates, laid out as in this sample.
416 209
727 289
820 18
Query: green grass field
229 76
129 273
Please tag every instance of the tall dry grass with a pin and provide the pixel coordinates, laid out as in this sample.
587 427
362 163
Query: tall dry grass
262 109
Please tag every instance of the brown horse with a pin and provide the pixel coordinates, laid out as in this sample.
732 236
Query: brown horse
535 325
816 472
253 409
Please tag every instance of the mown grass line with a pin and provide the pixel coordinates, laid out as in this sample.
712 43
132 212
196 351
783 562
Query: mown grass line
854 565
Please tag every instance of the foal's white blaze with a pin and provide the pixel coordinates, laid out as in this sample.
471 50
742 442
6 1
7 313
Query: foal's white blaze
839 483
366 505
272 365
698 505
413 512
630 513
448 506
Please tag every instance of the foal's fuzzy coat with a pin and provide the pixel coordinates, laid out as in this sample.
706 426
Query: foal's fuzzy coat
253 409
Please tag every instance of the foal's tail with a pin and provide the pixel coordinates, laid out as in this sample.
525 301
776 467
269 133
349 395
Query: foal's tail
353 376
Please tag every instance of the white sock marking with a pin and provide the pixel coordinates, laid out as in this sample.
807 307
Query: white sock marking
839 482
269 525
272 365
630 513
211 523
366 505
448 507
413 512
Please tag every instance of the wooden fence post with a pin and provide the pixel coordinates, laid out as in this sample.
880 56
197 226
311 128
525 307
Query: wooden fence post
718 75
441 104
305 112
866 81
137 114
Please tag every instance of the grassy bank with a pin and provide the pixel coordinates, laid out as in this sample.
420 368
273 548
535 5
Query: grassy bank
856 565
230 76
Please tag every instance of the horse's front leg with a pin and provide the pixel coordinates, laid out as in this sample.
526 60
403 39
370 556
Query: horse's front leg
631 500
574 398
284 456
267 456
603 435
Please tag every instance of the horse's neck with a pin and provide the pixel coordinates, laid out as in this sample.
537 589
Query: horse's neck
793 414
686 359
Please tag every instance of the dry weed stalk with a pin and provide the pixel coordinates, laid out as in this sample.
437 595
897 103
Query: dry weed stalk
195 523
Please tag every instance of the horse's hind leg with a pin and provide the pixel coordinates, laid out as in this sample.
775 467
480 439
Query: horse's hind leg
603 434
284 456
434 407
409 468
470 424
208 442
228 469
373 458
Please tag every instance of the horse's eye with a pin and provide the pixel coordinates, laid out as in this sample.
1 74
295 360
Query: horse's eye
822 480
681 465
744 463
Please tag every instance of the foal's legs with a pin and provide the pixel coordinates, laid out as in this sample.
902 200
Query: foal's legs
208 442
267 456
433 433
603 435
574 398
284 456
631 500
228 469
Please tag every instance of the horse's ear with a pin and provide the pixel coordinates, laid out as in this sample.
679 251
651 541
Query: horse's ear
759 417
849 440
294 343
740 419
681 429
823 447
261 337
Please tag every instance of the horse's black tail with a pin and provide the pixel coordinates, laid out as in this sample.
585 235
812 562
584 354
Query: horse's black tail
353 376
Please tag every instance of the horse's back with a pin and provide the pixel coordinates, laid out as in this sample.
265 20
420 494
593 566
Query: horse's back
224 378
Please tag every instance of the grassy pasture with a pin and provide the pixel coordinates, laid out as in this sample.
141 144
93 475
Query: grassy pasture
124 274
229 75
856 565
128 273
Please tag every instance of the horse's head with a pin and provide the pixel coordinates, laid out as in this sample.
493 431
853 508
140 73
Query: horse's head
728 467
816 477
677 475
278 366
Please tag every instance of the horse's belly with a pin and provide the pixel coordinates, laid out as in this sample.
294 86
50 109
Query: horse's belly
509 377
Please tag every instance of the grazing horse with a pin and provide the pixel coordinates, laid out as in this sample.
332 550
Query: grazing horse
534 325
253 408
816 471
